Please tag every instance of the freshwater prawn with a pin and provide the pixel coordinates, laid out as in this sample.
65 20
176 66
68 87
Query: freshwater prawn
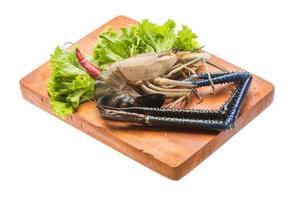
135 89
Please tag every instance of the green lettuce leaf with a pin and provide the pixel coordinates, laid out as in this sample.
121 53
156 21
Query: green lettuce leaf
186 39
69 84
159 38
144 37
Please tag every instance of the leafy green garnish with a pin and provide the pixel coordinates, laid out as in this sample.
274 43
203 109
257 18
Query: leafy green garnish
186 39
141 38
69 84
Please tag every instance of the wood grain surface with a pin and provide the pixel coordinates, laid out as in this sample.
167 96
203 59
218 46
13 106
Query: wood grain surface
172 153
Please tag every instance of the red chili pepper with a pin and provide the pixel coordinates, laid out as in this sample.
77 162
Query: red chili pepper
92 70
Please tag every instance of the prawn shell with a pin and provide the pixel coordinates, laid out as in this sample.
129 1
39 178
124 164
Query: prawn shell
145 66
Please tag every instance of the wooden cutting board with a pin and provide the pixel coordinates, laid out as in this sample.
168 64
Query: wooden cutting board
172 153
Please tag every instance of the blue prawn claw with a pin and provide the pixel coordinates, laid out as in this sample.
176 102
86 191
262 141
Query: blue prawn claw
219 120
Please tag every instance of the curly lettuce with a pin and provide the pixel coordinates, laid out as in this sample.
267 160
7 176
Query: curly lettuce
144 37
69 84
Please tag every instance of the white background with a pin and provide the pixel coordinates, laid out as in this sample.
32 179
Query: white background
44 158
